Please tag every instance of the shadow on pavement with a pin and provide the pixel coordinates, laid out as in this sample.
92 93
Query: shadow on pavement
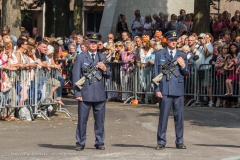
134 145
217 145
131 145
205 116
70 147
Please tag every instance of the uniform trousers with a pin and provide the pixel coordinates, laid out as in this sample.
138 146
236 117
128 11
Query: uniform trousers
165 103
99 117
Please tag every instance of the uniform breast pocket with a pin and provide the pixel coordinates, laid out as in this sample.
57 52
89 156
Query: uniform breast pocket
180 79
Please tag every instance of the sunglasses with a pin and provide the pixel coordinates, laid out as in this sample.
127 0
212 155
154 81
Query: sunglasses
118 46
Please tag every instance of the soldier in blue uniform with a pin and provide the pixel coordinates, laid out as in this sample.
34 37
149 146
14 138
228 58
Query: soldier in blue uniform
91 95
171 92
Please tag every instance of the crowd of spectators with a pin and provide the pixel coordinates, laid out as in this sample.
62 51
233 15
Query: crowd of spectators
135 45
221 64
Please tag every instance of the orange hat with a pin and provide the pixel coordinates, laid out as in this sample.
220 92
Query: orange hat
158 34
22 29
145 38
235 23
164 40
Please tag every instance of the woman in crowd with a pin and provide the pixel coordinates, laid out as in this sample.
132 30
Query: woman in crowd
179 46
110 85
209 38
84 47
231 66
220 75
186 41
181 27
188 23
218 27
6 85
118 51
23 63
186 49
137 27
172 24
59 71
30 53
226 19
53 82
145 68
126 70
122 25
148 26
165 19
234 35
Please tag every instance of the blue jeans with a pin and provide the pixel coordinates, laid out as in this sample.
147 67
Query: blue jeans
5 98
31 93
59 90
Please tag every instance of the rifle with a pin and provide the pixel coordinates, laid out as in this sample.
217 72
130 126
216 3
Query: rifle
168 68
91 72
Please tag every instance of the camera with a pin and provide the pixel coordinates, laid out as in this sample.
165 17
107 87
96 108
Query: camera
195 57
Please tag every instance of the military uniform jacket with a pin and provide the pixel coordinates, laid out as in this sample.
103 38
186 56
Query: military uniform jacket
175 86
94 92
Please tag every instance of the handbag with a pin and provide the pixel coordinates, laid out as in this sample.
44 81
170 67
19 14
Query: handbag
6 83
201 74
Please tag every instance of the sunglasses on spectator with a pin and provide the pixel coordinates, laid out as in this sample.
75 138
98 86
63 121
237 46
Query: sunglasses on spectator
178 47
118 46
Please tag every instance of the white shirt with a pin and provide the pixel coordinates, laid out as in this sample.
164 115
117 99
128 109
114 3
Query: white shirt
90 53
145 57
174 52
200 53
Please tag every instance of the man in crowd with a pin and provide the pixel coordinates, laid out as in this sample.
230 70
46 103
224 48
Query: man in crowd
41 52
6 31
37 37
138 45
157 36
227 38
159 23
171 92
110 39
161 15
125 36
183 38
91 95
137 13
100 47
78 41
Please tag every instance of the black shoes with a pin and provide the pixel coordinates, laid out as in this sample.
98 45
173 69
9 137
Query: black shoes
79 148
180 146
100 147
160 146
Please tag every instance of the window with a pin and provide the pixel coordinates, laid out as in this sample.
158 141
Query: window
93 20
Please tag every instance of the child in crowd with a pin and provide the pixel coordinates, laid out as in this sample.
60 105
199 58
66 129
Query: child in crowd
233 76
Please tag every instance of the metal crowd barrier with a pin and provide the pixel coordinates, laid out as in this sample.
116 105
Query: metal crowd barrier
139 82
213 83
201 82
29 88
121 84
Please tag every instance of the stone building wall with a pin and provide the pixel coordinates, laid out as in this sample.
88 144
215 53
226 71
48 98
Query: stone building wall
113 8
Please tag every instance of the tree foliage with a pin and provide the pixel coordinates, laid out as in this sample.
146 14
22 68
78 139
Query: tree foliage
214 3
